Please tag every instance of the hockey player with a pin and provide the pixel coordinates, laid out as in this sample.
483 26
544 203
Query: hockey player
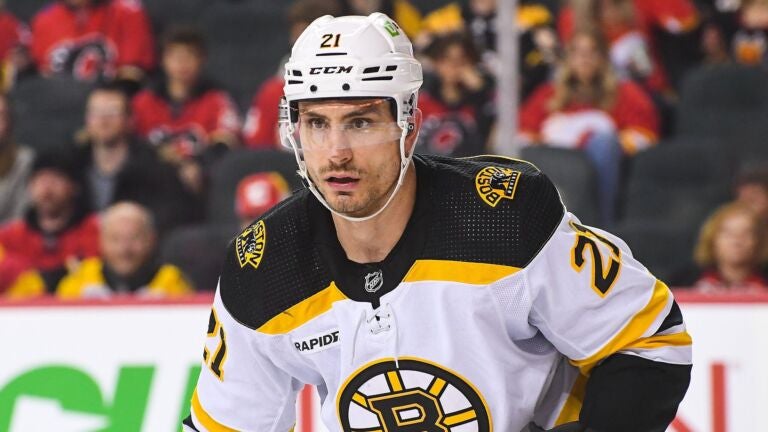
426 293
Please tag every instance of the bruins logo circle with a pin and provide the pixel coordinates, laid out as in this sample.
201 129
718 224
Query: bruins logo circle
418 397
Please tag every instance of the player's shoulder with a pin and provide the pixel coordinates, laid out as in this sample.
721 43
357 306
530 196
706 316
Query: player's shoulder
497 203
271 265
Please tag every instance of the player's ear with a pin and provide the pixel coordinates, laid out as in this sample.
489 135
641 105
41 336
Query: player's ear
413 130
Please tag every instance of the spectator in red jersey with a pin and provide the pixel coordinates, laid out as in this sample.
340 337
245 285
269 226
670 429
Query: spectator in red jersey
14 44
588 107
730 254
456 99
186 118
118 167
15 164
94 39
260 129
56 231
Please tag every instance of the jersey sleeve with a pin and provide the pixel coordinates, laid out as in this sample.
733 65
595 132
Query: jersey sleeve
227 121
592 299
240 388
136 43
637 119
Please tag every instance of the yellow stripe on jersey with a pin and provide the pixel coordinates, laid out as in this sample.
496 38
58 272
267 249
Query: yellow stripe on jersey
206 420
572 405
303 311
660 341
457 271
633 331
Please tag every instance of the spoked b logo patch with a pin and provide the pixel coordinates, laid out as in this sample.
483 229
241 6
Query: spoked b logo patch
420 396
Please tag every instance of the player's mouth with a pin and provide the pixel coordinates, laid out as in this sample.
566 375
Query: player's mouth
342 182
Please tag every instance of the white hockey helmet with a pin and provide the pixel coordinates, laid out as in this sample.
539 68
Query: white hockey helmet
351 57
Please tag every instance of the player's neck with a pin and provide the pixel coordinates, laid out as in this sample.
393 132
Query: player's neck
373 239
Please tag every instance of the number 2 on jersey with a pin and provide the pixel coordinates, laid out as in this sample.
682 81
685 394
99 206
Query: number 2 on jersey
603 275
215 362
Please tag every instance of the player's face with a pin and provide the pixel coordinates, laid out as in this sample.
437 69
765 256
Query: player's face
736 240
126 244
182 63
106 117
351 148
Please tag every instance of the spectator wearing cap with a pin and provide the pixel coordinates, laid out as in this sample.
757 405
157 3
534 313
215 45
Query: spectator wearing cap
258 193
128 264
15 164
116 166
93 40
188 119
57 230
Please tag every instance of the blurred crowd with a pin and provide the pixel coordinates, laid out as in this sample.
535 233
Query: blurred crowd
130 155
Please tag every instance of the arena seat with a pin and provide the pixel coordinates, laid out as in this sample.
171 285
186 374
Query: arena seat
573 174
199 251
48 111
235 165
677 182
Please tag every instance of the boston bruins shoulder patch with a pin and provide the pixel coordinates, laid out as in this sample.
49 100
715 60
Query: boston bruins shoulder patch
250 245
495 183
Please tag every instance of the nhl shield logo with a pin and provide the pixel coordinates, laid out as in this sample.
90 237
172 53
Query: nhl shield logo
496 183
374 281
250 245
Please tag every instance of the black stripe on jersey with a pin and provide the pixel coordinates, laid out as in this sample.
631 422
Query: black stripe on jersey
188 423
674 318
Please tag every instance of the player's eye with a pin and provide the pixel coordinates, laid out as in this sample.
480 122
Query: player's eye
316 123
360 124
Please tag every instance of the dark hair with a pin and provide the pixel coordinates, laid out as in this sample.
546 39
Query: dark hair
306 11
753 173
113 87
184 35
440 45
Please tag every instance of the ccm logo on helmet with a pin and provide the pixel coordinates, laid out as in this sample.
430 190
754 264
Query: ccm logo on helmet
330 70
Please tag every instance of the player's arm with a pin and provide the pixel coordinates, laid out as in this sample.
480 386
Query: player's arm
240 388
617 324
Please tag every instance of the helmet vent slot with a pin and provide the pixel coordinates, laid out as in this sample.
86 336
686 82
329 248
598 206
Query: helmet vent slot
372 69
390 68
331 54
378 78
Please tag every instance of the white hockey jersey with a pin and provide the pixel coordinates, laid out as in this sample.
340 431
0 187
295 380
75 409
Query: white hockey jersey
489 313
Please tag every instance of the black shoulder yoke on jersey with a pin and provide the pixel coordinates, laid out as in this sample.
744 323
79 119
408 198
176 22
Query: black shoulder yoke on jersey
484 209
489 209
